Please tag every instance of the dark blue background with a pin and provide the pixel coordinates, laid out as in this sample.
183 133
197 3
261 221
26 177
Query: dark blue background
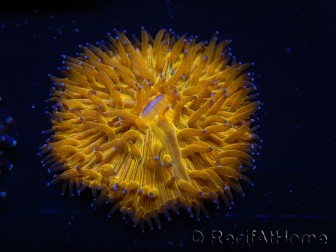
292 44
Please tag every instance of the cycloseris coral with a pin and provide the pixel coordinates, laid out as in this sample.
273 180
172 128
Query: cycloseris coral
154 125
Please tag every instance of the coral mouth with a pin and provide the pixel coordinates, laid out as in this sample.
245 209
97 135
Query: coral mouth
153 106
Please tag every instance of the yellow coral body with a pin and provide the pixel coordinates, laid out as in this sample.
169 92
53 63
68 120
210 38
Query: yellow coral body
155 125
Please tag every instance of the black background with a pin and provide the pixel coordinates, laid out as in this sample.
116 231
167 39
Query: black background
292 44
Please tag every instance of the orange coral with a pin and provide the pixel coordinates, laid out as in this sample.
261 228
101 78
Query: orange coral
154 125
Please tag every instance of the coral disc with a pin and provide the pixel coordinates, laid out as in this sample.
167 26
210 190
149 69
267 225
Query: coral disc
157 125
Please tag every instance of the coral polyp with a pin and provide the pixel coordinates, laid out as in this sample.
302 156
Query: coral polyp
154 125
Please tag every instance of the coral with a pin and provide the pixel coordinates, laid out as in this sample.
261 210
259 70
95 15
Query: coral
7 125
157 125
